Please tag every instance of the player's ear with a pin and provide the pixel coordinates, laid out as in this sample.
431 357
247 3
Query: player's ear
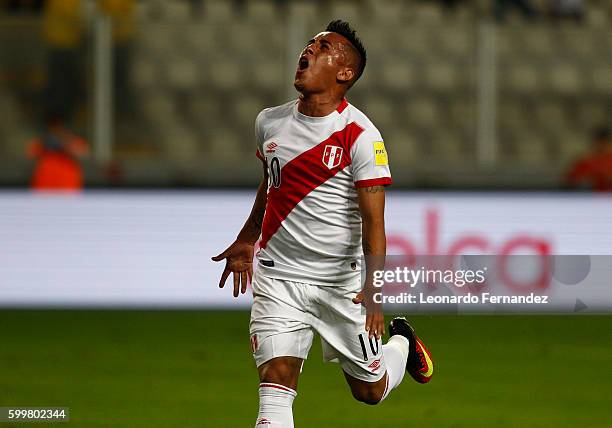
345 75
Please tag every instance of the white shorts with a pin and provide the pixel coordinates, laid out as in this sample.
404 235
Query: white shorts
285 315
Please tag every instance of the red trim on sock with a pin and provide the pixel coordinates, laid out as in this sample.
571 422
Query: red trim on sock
273 385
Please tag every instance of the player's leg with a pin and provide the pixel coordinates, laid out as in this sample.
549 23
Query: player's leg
282 371
278 379
394 357
371 369
403 352
280 340
367 392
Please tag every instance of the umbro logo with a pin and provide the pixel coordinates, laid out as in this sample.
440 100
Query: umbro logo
374 365
270 148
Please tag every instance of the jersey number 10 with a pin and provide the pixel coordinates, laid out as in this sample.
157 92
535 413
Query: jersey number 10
275 172
372 347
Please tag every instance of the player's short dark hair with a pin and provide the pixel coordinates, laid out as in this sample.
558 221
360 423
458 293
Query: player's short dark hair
344 29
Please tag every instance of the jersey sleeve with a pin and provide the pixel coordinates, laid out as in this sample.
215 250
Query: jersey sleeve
370 161
259 136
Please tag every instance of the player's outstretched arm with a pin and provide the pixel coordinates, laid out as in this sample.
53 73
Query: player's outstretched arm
239 256
372 207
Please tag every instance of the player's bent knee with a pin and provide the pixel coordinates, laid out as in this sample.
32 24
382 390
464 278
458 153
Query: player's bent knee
368 393
370 396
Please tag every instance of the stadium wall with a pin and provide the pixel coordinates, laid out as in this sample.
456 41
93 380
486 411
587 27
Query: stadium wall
153 249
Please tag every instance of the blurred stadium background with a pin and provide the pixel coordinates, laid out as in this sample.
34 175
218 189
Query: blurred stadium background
499 95
465 97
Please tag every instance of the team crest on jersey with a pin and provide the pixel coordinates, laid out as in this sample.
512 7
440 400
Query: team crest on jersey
332 155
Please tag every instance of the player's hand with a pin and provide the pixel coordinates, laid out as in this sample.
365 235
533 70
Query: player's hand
375 319
239 261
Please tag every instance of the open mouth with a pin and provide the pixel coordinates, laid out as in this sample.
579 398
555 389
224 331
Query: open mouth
303 63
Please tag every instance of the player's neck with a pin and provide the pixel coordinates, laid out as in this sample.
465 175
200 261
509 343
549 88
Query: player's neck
318 105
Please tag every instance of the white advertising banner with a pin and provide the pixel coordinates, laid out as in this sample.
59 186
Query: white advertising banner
153 249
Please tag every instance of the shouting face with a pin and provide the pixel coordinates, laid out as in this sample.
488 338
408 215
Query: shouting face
329 60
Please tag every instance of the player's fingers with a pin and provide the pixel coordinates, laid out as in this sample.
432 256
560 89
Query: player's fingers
380 326
220 256
358 298
250 273
224 276
236 283
368 325
243 282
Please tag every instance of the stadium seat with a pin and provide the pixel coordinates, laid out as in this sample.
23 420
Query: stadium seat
182 144
246 108
416 43
177 10
572 147
456 42
391 13
226 74
202 39
402 147
224 145
219 11
304 9
397 75
597 16
426 13
422 112
565 79
203 111
531 149
380 110
144 75
550 112
159 108
523 78
269 77
440 76
601 77
261 11
348 10
182 73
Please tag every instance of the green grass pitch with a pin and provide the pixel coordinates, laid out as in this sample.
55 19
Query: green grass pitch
194 369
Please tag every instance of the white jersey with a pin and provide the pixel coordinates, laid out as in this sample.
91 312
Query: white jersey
311 230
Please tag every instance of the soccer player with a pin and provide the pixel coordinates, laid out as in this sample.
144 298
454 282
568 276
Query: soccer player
319 208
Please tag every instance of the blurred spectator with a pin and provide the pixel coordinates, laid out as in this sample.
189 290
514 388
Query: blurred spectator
450 5
21 6
501 8
594 169
567 9
63 30
57 153
121 13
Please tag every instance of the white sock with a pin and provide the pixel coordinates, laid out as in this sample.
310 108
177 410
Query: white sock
275 406
395 352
